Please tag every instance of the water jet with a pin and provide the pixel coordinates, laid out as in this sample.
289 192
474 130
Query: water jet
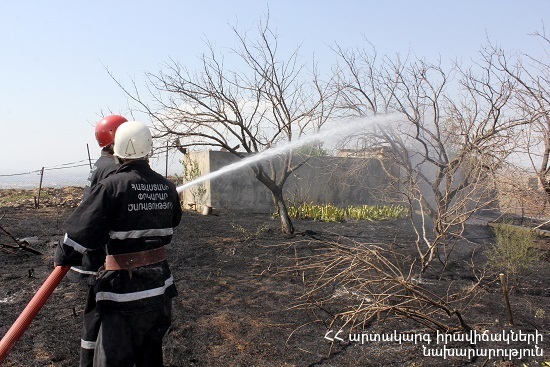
340 131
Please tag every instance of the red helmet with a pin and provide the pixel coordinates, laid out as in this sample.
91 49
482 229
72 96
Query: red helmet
106 128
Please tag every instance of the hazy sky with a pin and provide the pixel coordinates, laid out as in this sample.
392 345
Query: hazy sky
54 85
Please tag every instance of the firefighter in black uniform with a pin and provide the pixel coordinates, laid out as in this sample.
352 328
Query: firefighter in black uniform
106 164
86 273
134 213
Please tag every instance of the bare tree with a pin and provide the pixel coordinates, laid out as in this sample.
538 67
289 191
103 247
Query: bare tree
262 100
519 195
532 103
453 135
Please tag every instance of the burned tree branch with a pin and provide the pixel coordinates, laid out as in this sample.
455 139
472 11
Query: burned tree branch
357 283
20 244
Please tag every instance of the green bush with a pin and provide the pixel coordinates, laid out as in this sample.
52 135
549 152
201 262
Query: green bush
514 250
331 213
313 150
191 172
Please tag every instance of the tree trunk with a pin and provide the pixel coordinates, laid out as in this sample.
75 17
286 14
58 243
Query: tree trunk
545 183
277 196
286 224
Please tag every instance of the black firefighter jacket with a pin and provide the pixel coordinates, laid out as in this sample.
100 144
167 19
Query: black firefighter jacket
92 260
134 210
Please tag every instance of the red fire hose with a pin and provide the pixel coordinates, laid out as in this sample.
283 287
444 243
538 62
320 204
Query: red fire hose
28 314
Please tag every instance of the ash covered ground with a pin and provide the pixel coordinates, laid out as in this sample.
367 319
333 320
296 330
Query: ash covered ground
237 297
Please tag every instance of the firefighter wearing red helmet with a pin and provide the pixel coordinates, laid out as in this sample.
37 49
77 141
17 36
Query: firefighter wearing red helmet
132 214
86 273
105 131
106 128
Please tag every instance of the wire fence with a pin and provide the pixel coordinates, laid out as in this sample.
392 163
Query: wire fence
67 174
62 185
165 160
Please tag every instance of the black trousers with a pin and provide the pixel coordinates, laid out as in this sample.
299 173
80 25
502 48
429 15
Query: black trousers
136 339
90 329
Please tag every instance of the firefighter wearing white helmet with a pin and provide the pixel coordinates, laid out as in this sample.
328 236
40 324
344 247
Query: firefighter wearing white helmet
134 213
86 274
133 140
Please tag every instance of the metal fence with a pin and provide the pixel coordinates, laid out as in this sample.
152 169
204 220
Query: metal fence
67 174
165 160
63 184
48 186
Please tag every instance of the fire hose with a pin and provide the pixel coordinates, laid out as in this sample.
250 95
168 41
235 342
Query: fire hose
28 314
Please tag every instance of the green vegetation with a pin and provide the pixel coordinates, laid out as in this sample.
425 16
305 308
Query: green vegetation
331 213
14 196
191 172
514 250
20 196
313 150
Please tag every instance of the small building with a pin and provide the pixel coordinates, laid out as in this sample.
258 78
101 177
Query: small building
339 181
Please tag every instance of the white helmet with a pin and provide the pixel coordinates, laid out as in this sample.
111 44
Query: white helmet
133 140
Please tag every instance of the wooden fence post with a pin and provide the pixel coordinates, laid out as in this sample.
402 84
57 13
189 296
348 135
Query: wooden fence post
37 201
89 158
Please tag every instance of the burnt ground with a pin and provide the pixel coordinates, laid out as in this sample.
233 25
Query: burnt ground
236 303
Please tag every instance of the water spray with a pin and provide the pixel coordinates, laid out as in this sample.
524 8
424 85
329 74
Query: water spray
344 129
41 296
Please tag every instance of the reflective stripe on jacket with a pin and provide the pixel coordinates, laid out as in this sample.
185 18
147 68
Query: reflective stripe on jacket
134 210
93 260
